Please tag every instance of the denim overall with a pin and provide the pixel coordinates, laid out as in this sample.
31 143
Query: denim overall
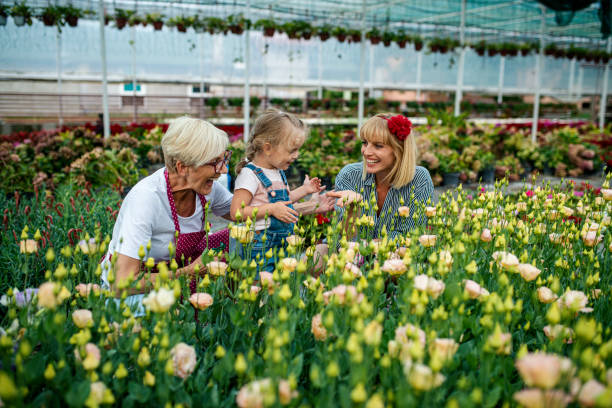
277 231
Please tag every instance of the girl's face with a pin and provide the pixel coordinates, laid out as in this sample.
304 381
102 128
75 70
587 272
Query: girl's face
378 157
280 157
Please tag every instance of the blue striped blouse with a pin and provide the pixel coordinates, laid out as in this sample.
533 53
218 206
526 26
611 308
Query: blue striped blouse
416 195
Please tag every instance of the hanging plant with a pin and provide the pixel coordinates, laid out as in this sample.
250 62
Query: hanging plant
324 32
387 38
52 15
509 49
199 26
339 33
182 23
374 36
418 43
122 16
354 35
237 23
526 48
401 38
215 25
269 26
72 15
3 14
442 44
135 20
156 20
298 29
22 14
480 47
492 49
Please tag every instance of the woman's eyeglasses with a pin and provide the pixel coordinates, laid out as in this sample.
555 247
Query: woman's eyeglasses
219 164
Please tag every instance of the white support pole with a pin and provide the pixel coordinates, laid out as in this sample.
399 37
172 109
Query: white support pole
105 117
265 79
458 90
320 68
572 74
58 61
133 48
201 60
500 91
418 74
603 102
361 68
371 74
538 69
580 82
247 73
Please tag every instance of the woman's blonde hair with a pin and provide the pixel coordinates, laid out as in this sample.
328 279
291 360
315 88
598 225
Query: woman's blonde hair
376 130
274 127
194 142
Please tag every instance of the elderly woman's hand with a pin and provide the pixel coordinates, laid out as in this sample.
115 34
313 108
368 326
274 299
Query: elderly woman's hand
345 197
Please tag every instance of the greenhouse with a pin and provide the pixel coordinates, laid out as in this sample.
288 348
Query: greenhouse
306 203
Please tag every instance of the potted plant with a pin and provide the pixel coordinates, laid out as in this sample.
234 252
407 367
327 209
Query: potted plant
156 20
199 26
278 102
236 103
181 23
339 33
418 43
401 38
387 38
254 102
492 49
72 15
315 103
480 47
269 26
51 15
323 32
298 29
212 102
296 104
122 16
526 49
215 25
237 23
449 166
22 14
550 49
509 49
3 14
374 36
354 35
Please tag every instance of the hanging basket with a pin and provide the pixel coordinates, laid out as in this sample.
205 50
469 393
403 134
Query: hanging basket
72 21
269 31
181 28
48 20
324 36
375 40
341 37
387 43
236 29
418 46
120 22
401 44
157 25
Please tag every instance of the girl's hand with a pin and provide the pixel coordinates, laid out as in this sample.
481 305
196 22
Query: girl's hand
282 212
325 203
345 197
313 185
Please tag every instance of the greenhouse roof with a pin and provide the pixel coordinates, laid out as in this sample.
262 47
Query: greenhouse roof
484 19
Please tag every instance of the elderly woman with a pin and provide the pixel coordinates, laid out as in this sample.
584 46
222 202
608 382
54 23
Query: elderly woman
388 178
168 207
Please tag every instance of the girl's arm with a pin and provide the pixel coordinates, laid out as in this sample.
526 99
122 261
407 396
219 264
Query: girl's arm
278 209
310 186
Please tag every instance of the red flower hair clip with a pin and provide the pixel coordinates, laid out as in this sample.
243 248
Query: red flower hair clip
400 126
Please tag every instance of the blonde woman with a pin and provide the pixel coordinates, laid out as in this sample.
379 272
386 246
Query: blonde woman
389 174
169 205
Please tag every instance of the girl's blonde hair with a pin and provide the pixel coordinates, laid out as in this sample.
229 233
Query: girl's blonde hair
194 142
376 130
273 127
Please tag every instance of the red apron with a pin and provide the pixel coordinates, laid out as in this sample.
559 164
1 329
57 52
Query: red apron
189 246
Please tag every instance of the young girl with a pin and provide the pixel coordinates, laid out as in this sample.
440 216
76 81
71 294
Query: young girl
261 183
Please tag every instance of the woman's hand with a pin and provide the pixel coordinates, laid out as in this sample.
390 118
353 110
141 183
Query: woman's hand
312 185
345 197
325 203
282 212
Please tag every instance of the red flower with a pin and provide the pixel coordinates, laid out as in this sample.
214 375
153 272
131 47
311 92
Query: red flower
321 219
400 126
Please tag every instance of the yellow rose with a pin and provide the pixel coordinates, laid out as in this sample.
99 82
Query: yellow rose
82 318
217 268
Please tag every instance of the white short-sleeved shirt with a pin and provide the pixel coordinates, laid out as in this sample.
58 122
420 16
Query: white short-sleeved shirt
145 215
247 180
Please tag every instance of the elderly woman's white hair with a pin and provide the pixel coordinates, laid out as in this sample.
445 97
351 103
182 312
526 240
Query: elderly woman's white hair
194 142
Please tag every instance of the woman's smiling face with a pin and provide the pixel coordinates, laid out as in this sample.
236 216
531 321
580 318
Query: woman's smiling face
378 157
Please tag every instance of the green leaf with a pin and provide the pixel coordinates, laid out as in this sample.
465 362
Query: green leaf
139 392
492 397
78 393
296 365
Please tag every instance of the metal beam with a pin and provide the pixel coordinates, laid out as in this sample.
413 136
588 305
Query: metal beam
538 76
247 73
603 102
105 117
473 10
362 52
459 91
518 20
